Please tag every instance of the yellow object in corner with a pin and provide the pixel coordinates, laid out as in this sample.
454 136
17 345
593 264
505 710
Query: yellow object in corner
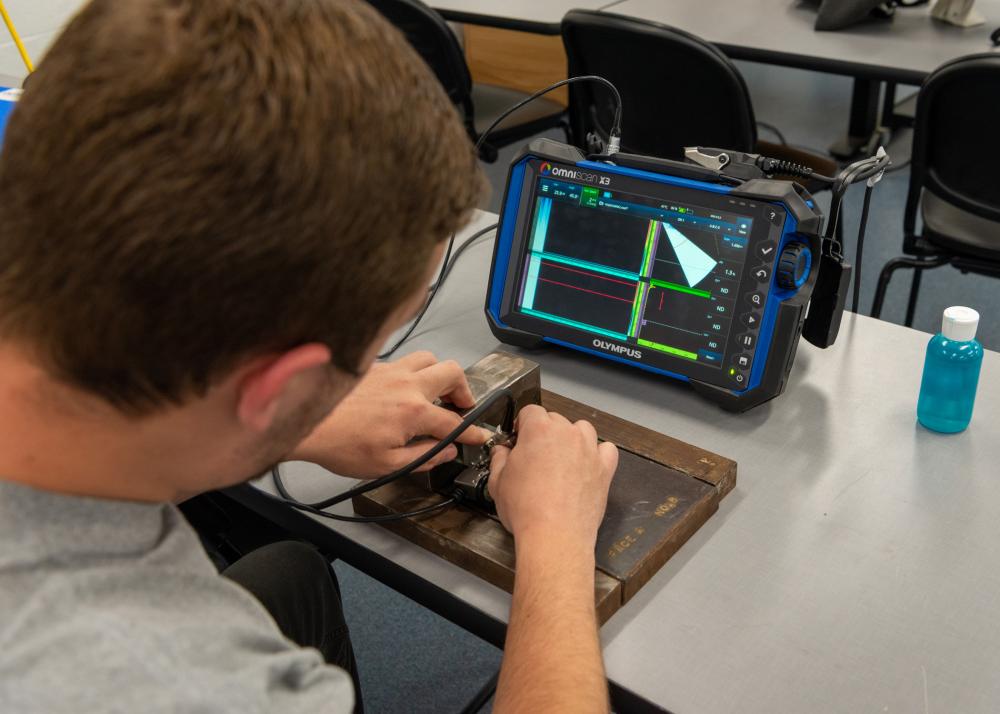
17 38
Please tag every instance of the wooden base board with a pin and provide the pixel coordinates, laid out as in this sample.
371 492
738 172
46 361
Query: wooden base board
664 491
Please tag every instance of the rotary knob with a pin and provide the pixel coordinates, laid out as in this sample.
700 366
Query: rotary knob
793 266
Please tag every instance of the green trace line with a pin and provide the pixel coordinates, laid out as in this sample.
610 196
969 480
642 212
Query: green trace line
648 254
574 323
585 264
640 292
670 350
680 288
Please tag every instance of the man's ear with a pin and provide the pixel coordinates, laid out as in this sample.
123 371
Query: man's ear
261 390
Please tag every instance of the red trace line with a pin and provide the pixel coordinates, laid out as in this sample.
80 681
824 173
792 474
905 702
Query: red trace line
661 300
574 287
590 275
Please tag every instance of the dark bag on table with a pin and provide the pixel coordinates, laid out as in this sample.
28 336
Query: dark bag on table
838 14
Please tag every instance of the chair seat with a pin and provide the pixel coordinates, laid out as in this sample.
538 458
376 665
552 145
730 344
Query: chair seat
491 101
957 230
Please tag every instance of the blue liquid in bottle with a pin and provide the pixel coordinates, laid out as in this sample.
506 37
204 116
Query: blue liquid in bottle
951 375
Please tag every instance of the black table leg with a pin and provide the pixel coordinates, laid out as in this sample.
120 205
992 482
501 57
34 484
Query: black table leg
864 119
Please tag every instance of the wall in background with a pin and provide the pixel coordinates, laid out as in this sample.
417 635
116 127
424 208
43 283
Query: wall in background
38 22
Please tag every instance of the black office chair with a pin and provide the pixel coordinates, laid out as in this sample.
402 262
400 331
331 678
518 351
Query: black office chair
478 104
953 179
677 90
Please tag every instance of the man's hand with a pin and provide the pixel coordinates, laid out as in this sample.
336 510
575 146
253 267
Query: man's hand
555 480
551 491
390 419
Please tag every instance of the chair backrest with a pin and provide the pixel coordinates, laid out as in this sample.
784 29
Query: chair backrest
956 138
433 40
677 90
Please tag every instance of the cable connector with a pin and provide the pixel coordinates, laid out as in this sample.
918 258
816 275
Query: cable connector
614 145
772 166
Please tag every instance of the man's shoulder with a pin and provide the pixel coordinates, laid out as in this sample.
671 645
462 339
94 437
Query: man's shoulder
111 637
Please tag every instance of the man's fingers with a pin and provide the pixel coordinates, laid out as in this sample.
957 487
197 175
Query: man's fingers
446 379
528 415
439 422
609 458
587 429
497 463
474 436
410 453
416 361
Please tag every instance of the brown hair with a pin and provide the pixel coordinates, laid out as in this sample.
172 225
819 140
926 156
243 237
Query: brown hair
187 183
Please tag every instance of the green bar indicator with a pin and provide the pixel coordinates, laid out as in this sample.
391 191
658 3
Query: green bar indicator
681 288
633 325
574 323
586 264
647 257
669 350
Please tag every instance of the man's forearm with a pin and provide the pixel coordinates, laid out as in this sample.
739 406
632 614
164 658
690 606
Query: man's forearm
552 657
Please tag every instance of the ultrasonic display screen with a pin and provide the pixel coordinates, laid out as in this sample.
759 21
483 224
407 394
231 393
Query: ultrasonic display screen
658 273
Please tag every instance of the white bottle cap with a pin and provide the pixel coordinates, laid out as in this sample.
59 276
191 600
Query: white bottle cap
960 323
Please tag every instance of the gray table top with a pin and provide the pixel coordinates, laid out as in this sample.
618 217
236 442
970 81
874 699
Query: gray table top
781 32
541 16
853 568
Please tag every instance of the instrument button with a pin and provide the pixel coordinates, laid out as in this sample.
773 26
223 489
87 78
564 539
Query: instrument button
765 251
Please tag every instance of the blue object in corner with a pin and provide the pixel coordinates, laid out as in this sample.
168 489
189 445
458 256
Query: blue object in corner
8 100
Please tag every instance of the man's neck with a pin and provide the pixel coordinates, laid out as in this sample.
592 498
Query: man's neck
59 439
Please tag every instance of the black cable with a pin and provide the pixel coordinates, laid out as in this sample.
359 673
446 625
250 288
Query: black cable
461 249
427 303
616 132
470 419
774 130
861 247
306 508
616 125
446 267
858 171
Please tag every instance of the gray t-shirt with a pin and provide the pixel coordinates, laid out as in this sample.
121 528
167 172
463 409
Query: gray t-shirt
113 606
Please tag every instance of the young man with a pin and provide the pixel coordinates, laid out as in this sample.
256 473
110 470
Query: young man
215 212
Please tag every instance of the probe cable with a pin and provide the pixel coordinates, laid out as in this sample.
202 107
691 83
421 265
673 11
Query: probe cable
461 249
317 507
870 170
614 142
447 264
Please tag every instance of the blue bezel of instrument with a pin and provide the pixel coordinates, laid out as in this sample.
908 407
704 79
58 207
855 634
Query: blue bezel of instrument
784 309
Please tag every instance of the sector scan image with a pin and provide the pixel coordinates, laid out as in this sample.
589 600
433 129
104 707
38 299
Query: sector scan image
664 276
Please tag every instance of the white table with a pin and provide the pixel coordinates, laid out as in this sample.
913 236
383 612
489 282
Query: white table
853 569
904 50
539 16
